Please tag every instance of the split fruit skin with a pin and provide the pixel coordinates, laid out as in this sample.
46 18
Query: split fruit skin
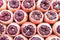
20 16
56 28
28 29
20 37
36 17
52 37
13 29
44 30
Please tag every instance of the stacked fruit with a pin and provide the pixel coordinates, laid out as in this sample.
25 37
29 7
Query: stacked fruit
29 19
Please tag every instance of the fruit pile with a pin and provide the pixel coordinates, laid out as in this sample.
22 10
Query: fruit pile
29 19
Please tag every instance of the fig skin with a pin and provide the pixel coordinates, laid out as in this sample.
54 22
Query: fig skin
35 21
39 8
4 29
36 36
52 36
48 26
13 9
26 24
9 37
50 21
26 9
3 7
10 20
18 27
25 17
54 27
21 36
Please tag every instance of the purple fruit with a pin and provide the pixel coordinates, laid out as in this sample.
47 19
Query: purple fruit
14 4
56 5
28 30
5 16
19 38
36 15
35 38
19 16
4 38
28 3
45 4
51 15
12 30
44 30
58 29
1 29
